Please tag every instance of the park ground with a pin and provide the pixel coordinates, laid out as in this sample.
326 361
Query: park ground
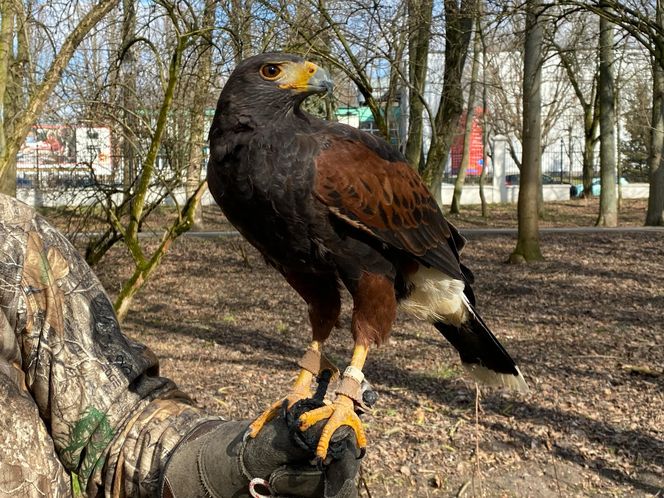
586 327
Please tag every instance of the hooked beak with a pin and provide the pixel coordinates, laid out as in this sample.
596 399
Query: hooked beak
305 78
320 82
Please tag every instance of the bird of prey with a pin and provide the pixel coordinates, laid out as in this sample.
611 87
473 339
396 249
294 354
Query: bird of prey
328 206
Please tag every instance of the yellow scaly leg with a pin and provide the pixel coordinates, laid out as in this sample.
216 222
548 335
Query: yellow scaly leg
300 390
342 411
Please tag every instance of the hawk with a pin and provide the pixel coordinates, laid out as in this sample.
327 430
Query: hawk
329 206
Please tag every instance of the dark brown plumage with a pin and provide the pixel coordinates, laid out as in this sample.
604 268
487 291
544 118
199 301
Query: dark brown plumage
329 205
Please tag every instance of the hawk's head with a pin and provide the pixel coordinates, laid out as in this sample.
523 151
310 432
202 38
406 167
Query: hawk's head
272 81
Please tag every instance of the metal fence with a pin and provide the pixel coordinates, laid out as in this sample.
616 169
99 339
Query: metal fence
62 174
560 163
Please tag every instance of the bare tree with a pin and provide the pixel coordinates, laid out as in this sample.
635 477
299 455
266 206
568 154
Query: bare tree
200 81
528 247
637 116
655 214
459 17
240 23
485 123
127 69
165 135
608 206
468 125
419 30
574 59
14 128
144 263
642 19
356 70
505 80
349 52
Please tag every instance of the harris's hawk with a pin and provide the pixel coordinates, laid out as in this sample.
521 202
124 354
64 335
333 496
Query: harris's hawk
329 205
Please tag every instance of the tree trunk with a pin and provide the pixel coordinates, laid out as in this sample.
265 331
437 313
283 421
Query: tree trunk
618 112
528 246
239 23
655 213
455 208
458 29
130 132
144 269
198 135
590 124
149 164
6 30
483 174
8 179
145 266
485 129
27 118
608 207
590 115
419 21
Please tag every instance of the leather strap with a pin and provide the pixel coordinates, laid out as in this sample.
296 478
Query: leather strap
315 362
350 388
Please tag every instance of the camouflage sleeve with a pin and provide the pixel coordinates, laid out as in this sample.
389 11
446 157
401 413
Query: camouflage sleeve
112 419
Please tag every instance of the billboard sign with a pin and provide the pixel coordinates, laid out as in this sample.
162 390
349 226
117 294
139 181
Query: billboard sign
93 148
67 147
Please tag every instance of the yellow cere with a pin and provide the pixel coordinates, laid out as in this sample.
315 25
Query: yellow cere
297 76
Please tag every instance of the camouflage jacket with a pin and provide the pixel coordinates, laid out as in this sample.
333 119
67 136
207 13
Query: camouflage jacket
81 406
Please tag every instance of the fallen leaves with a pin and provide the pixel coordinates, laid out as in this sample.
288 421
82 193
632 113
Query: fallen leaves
585 326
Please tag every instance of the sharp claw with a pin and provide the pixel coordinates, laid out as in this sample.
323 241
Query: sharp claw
311 418
339 414
256 426
280 406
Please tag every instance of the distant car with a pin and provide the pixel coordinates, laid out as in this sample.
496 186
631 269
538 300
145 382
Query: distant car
546 180
22 182
77 181
596 188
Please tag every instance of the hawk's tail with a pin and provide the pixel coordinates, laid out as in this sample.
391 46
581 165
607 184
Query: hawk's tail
481 353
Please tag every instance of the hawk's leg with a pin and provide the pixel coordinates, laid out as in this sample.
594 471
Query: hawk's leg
342 411
374 311
311 364
321 293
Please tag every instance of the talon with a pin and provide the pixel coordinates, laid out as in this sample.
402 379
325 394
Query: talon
312 417
341 412
274 410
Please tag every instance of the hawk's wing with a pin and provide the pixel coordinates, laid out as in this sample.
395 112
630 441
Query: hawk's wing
387 200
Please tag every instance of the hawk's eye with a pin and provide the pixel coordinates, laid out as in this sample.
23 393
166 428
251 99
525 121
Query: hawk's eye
270 71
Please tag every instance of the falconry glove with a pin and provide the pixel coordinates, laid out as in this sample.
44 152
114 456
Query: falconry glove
218 460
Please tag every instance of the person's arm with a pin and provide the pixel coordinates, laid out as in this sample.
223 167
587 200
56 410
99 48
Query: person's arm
115 423
112 418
